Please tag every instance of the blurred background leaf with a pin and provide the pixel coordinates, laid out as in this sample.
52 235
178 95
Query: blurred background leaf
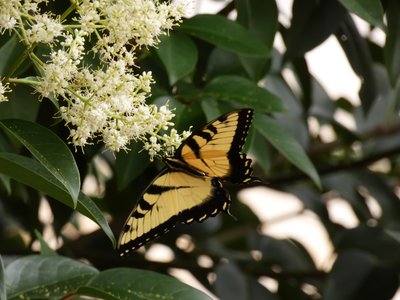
3 295
124 283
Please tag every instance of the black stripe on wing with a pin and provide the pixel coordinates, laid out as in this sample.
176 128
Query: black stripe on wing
194 146
125 249
218 201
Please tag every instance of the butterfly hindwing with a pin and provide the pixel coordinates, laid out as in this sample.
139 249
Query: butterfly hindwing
174 196
215 150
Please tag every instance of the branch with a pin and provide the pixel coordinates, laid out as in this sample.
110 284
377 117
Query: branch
378 131
336 168
324 148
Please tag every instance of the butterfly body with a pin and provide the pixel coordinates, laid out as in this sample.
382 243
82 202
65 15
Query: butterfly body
190 188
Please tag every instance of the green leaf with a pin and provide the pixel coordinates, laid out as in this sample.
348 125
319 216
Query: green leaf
226 34
191 116
260 149
46 277
374 240
384 194
124 283
287 254
312 23
88 207
222 62
3 295
5 182
32 173
261 18
49 150
230 282
369 10
129 165
392 46
286 144
9 54
306 81
178 53
21 96
44 247
244 92
359 56
210 108
359 275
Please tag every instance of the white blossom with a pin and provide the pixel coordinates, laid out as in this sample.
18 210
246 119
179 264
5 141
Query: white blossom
57 74
107 100
44 30
9 13
4 88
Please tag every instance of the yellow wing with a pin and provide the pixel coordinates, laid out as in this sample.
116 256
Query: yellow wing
215 150
173 197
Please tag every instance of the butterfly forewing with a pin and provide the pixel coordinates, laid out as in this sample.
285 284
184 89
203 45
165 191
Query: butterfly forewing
173 197
215 150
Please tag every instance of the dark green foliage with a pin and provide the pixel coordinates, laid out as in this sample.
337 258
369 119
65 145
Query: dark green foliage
208 66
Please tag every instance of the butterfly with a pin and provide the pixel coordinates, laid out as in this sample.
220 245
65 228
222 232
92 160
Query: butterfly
190 187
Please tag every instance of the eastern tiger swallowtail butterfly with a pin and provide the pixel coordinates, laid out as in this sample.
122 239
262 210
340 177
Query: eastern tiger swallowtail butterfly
190 188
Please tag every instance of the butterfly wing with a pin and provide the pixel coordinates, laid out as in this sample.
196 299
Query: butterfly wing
174 196
216 149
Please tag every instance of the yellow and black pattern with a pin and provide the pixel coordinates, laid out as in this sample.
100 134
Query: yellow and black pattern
215 150
190 189
173 197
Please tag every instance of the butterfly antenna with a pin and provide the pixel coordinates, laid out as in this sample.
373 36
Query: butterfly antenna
229 213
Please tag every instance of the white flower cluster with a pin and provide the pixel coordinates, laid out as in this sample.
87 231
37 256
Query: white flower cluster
3 89
36 27
104 99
